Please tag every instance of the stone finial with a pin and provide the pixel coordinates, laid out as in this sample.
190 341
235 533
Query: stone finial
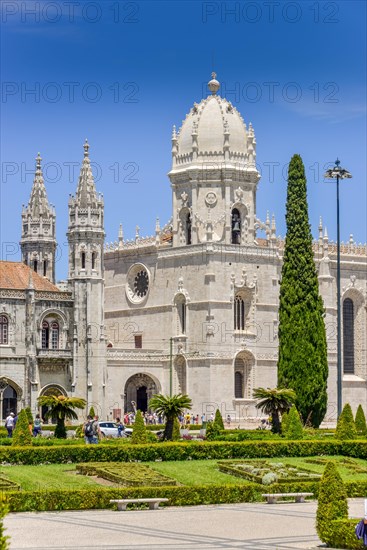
351 239
38 162
213 84
157 225
273 225
86 148
137 229
174 134
121 235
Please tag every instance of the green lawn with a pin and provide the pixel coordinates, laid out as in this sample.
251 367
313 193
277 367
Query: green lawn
52 476
198 472
188 472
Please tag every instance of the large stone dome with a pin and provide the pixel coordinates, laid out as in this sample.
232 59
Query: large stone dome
213 130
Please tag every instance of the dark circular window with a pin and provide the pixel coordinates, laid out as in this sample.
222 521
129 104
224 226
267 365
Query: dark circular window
141 283
137 284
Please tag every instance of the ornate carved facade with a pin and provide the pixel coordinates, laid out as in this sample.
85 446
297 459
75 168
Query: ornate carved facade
192 308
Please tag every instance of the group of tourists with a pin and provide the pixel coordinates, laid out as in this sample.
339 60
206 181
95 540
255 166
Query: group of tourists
35 427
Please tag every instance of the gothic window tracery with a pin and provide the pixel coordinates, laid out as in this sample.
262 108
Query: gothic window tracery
180 302
55 335
239 312
45 334
4 329
348 336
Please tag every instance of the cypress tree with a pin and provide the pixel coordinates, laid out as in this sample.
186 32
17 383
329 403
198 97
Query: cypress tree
360 421
176 434
302 363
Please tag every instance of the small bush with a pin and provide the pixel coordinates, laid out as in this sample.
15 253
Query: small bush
345 428
360 422
344 536
139 434
21 434
285 422
294 428
91 412
269 478
3 511
218 420
176 436
332 502
29 414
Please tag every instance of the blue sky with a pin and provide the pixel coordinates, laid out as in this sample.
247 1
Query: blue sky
122 73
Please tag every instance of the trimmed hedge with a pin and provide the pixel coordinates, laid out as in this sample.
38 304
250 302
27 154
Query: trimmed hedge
27 501
193 450
343 534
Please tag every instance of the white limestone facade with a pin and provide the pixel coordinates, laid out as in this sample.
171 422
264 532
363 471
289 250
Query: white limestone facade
192 309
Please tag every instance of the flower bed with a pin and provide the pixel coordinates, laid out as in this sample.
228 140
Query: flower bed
128 475
265 472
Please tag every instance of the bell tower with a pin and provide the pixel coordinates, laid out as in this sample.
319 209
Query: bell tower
86 278
214 176
38 241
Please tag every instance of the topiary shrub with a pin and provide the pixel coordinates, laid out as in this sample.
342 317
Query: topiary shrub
332 502
3 511
294 428
212 431
29 415
139 434
22 434
360 422
345 428
91 412
176 435
218 420
285 422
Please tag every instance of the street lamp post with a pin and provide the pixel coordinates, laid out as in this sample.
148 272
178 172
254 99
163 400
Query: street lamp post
338 173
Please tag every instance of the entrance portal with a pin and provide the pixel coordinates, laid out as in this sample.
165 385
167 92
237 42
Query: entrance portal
138 391
142 399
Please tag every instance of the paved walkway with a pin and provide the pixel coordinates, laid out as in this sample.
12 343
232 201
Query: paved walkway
227 527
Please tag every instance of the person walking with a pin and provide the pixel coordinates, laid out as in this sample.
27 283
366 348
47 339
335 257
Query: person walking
90 430
120 428
37 426
9 424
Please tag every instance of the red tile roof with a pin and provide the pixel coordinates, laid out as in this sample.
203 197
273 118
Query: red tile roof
15 275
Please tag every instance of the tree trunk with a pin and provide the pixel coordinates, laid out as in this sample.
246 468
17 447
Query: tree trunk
60 431
275 422
168 431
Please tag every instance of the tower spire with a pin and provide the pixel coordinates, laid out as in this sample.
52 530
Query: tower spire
38 242
86 192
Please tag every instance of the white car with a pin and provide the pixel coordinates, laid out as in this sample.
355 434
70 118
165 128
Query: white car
109 429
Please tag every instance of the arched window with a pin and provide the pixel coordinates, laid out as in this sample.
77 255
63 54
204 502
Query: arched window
55 335
239 313
236 227
348 336
9 400
45 334
35 265
243 370
4 329
238 385
188 229
181 313
94 260
44 268
83 260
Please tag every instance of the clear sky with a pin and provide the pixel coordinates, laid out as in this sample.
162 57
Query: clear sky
122 73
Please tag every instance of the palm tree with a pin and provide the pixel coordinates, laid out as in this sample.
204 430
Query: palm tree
171 408
274 402
61 408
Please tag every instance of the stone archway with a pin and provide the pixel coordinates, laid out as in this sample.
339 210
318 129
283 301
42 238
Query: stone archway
51 389
9 396
139 388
